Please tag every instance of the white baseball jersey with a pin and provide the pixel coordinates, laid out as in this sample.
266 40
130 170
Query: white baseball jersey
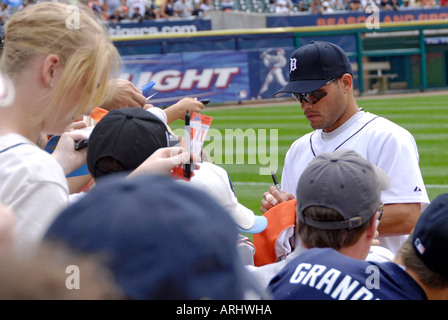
382 142
33 185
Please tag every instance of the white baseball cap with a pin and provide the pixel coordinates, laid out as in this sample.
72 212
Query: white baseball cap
215 181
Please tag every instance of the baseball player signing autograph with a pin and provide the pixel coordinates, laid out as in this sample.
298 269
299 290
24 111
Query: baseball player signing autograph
321 80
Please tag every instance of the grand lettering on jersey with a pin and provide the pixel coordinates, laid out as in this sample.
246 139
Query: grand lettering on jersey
331 282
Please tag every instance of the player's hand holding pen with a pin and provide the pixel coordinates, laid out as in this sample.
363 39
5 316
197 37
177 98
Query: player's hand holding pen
274 196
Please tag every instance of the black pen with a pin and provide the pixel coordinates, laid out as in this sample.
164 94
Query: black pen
274 177
187 166
80 144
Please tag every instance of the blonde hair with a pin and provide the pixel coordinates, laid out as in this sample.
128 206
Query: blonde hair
89 58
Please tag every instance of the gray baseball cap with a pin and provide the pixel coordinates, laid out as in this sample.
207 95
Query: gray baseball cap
344 181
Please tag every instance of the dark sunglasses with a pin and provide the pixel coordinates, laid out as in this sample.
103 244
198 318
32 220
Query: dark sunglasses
313 96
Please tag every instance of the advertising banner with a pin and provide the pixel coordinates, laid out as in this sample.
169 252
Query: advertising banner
218 76
159 27
221 76
351 17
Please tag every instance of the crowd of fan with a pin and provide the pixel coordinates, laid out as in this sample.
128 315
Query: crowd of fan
139 10
331 6
154 9
139 231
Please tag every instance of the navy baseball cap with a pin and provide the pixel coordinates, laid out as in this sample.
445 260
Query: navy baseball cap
162 239
128 135
430 236
313 65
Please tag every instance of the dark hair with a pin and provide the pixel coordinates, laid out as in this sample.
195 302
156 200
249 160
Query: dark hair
335 239
411 261
109 165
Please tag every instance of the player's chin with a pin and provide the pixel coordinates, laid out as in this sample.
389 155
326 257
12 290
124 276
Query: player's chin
314 122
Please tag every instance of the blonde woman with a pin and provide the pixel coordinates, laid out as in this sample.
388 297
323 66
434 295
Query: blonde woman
59 59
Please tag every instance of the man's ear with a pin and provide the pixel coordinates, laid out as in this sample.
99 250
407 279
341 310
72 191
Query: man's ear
372 227
347 81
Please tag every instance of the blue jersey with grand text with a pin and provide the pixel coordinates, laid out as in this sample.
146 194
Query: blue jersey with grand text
325 274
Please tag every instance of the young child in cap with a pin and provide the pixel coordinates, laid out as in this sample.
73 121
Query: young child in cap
125 95
124 138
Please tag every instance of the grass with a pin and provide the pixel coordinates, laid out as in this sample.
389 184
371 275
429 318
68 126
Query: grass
426 117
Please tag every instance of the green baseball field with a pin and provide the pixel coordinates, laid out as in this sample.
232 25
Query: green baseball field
251 141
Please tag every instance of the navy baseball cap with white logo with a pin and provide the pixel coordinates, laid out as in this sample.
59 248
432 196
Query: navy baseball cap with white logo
313 65
430 236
